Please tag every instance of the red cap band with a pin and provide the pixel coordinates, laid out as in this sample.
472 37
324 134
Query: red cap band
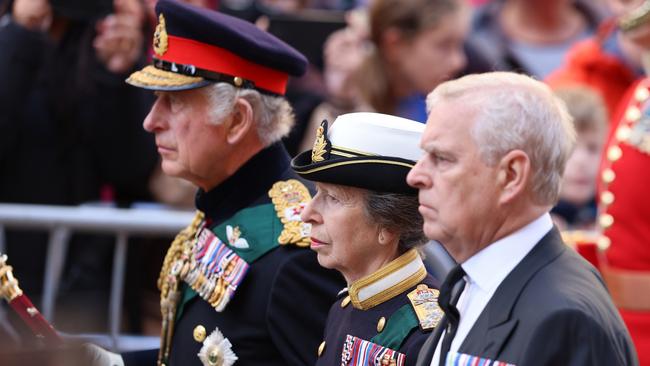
212 58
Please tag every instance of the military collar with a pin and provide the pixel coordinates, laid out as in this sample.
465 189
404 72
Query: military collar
391 280
249 184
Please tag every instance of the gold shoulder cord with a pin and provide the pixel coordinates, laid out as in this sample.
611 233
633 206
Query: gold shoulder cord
168 283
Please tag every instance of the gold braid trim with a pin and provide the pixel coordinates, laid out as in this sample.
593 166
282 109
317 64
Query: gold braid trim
150 75
182 240
168 284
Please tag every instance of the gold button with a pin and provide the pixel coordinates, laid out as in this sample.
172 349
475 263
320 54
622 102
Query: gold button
632 114
238 81
381 324
614 153
607 197
321 348
608 176
345 301
199 333
603 242
641 94
623 133
606 220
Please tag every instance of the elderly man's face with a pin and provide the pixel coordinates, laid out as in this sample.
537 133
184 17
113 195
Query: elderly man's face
189 146
456 188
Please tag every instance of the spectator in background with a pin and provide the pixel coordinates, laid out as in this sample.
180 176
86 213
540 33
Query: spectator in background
69 126
624 204
610 61
416 44
576 208
386 61
531 36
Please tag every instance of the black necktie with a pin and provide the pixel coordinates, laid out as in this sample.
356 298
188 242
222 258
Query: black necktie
447 301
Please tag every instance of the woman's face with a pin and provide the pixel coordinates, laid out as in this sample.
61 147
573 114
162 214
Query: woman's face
343 237
435 54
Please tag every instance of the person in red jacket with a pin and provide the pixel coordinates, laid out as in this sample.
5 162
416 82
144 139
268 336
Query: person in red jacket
624 206
609 62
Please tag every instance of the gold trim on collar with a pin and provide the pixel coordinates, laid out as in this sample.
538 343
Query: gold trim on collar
384 295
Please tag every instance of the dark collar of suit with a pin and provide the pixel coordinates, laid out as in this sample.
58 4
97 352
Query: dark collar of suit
495 323
250 183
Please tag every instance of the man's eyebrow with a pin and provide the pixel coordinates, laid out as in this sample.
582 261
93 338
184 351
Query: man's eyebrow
430 147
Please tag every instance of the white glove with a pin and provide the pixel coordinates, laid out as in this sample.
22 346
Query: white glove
101 357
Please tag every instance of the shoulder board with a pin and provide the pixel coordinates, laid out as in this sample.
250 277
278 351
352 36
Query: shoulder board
397 328
289 198
424 301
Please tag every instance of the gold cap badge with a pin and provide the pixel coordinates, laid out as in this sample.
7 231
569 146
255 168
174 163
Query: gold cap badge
160 37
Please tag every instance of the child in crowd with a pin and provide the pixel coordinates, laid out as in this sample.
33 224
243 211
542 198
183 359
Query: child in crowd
577 206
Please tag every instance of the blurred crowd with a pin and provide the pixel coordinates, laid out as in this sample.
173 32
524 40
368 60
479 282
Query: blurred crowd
71 129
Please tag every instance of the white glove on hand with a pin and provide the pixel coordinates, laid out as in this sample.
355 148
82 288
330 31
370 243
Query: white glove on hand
101 357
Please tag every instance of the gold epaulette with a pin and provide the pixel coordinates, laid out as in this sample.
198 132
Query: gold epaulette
425 304
289 198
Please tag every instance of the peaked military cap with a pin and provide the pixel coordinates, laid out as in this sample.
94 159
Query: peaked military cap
366 150
195 46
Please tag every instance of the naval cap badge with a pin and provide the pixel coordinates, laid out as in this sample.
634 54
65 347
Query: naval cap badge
320 150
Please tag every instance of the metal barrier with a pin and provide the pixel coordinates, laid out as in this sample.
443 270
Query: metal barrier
61 221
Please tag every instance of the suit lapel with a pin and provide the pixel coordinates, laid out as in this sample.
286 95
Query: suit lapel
429 346
492 329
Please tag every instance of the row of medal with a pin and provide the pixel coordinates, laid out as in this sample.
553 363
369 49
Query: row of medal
211 269
357 351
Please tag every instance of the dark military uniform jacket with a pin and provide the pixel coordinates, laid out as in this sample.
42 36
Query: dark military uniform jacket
276 313
384 318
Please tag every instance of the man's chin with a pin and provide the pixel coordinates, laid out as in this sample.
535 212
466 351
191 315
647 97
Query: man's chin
433 231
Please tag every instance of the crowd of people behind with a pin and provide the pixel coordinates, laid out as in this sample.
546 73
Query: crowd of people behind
71 129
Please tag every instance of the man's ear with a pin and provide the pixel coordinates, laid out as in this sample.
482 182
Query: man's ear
513 175
241 121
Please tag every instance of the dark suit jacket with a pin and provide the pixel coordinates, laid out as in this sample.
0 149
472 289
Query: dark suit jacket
552 309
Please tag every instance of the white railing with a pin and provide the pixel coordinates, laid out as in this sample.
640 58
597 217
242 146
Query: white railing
61 221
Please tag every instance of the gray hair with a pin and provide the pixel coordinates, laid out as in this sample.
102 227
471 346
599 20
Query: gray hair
273 115
514 111
398 213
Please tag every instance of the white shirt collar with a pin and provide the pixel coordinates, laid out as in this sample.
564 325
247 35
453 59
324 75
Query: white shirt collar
490 266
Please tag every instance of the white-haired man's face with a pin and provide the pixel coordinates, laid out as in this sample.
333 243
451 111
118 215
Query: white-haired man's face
457 190
190 147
